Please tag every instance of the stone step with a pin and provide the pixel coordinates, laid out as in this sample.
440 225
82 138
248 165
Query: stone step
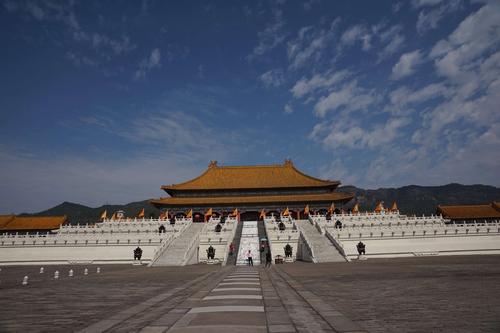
174 255
324 250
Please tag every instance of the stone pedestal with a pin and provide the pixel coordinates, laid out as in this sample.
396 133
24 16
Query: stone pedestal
362 257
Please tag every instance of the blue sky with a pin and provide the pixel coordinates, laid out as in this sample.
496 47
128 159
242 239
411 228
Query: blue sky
103 102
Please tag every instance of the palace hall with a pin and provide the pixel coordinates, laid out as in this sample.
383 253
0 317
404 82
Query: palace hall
251 189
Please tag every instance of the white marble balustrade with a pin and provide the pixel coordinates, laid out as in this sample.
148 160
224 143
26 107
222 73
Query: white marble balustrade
398 240
106 242
218 240
278 239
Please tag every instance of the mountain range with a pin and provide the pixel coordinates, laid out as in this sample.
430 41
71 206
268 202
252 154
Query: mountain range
410 199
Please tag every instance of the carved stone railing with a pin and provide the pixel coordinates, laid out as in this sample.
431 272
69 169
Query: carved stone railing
408 231
191 247
305 242
159 250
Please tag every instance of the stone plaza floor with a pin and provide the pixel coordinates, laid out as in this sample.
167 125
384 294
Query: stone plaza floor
425 294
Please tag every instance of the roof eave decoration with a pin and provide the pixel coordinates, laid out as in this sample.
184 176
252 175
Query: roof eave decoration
251 200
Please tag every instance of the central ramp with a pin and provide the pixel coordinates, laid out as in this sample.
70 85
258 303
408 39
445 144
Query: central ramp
249 241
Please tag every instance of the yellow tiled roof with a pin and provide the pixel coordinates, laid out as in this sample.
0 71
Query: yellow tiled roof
260 199
5 219
34 223
251 177
470 211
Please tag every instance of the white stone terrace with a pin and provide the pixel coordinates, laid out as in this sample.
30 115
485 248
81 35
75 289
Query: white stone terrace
384 218
106 242
278 239
220 241
410 236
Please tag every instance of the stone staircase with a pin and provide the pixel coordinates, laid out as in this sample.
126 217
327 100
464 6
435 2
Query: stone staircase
182 249
249 241
231 260
261 228
324 250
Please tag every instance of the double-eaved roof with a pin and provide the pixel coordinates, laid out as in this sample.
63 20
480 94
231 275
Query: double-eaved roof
251 177
470 212
24 223
261 185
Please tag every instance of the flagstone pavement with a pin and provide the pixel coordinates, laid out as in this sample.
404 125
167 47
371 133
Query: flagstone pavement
430 294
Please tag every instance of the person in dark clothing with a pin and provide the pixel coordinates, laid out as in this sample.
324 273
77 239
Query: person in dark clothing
211 252
288 250
269 258
361 248
161 229
338 225
137 253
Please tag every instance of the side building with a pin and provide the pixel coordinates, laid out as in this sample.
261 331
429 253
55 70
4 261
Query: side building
471 213
249 189
11 224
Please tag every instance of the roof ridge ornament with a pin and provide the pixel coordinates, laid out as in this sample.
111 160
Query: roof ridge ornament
213 164
288 162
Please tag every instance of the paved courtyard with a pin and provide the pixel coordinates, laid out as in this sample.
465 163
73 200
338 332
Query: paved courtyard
428 294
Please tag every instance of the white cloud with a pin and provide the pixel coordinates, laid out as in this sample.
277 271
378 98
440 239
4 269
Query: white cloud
395 43
271 36
396 7
288 109
305 86
406 65
337 170
149 63
403 96
348 134
475 35
349 97
446 124
428 20
309 45
273 78
424 3
353 34
36 11
97 49
309 3
388 41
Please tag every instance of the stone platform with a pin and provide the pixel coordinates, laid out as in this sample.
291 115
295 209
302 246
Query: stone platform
428 294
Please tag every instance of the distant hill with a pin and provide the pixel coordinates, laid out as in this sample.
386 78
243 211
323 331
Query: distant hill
420 200
411 200
82 214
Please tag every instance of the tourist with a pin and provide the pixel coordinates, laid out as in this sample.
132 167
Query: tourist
137 253
338 225
281 226
288 251
211 253
249 258
361 248
269 258
161 229
218 227
231 249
